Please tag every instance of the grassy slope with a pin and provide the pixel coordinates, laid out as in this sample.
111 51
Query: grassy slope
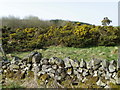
102 52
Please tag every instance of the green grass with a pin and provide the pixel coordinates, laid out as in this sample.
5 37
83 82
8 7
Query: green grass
101 52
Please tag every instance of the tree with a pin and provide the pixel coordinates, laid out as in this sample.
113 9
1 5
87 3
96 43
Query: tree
106 21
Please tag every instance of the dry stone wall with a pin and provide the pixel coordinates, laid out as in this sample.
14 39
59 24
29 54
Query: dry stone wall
93 73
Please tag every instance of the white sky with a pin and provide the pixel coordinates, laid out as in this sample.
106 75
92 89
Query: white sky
89 11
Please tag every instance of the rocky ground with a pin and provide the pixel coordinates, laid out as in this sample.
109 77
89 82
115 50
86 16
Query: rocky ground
33 71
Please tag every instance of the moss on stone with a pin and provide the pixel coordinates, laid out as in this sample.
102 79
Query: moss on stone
113 85
30 74
118 73
50 83
44 77
67 83
10 74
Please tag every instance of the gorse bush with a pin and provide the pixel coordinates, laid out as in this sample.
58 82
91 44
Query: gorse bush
70 35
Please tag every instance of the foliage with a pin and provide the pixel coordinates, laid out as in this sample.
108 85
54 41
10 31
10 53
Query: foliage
106 21
70 35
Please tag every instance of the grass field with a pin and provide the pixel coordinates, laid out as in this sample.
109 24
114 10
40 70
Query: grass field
101 52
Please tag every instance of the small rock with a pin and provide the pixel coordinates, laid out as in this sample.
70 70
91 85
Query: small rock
100 83
95 61
44 61
26 68
112 68
36 58
59 70
79 77
114 74
67 62
14 67
85 72
75 71
106 86
50 70
117 79
113 62
40 73
80 70
70 71
118 64
89 65
108 75
95 73
85 79
54 67
52 75
82 64
58 77
91 72
113 81
45 67
4 67
104 64
74 63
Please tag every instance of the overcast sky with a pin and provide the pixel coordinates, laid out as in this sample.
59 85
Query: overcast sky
89 11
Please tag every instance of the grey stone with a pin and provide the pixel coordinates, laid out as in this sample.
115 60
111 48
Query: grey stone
82 63
29 65
105 64
113 62
117 79
70 71
52 60
108 75
114 74
84 79
107 86
44 61
52 75
57 61
59 70
26 68
100 83
112 68
79 76
112 80
15 60
67 62
36 58
75 71
50 70
58 77
63 74
28 58
74 63
118 64
89 65
85 72
14 67
4 67
95 73
40 73
54 67
22 66
45 67
91 72
100 72
80 70
95 61
96 67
